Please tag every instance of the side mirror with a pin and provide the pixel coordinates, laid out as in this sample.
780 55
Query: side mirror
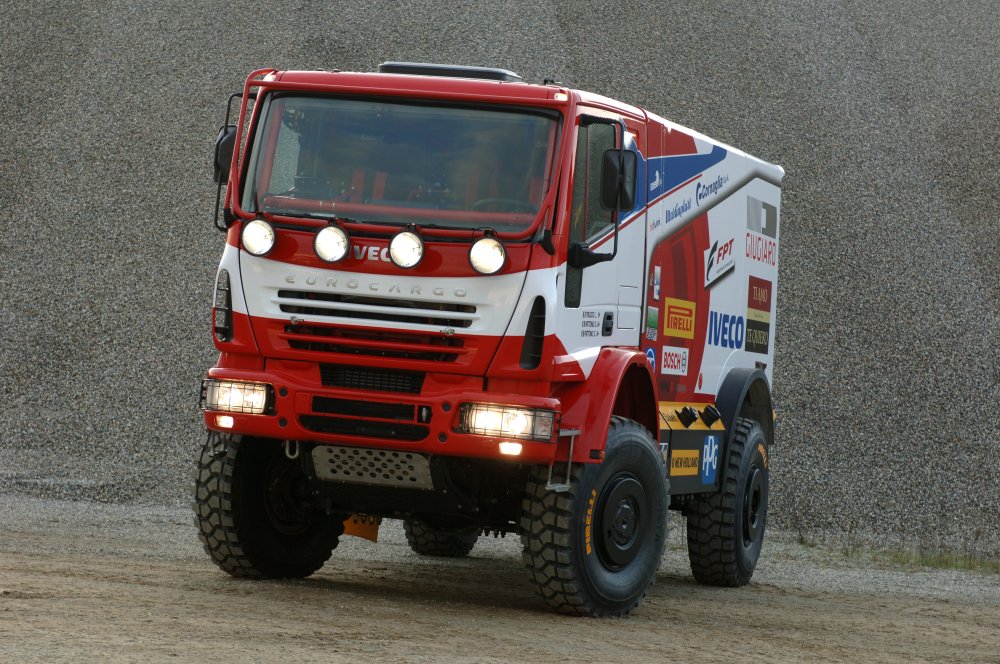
618 179
224 144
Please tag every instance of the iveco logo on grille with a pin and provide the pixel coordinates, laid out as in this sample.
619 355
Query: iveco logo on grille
376 287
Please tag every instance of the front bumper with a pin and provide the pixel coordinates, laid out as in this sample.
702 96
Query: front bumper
400 413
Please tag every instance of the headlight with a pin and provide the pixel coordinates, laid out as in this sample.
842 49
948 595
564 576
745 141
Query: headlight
406 249
487 255
258 237
332 244
234 396
506 421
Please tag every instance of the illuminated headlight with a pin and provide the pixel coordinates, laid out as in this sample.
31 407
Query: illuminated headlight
332 244
234 396
506 421
258 237
406 249
487 255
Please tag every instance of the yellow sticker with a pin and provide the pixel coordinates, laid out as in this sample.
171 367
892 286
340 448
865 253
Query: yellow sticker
763 453
590 518
678 320
684 462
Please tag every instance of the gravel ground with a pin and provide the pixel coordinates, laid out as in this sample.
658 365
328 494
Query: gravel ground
883 115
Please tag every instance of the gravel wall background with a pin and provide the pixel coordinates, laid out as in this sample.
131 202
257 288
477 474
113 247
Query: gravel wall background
884 115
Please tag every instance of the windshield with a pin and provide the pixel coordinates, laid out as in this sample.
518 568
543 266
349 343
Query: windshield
401 163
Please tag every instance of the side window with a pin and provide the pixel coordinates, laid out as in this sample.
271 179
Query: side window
587 218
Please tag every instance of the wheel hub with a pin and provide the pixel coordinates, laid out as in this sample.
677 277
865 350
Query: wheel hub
752 506
620 513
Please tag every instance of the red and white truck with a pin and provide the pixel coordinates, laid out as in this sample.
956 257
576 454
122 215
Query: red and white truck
476 304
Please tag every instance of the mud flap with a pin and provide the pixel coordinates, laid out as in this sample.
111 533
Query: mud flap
363 526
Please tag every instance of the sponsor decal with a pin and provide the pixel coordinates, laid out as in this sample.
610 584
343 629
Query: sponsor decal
656 181
763 453
651 358
674 361
656 282
679 318
762 249
762 218
678 209
683 463
589 520
652 322
709 459
759 292
726 330
706 190
719 260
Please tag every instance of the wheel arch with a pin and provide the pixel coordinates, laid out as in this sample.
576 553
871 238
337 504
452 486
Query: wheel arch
746 393
589 406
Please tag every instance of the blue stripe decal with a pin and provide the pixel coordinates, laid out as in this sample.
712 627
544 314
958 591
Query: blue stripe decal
668 172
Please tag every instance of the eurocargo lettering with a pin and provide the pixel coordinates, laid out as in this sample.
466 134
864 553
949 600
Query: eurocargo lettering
439 301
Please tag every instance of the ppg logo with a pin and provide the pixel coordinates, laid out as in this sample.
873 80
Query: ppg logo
709 459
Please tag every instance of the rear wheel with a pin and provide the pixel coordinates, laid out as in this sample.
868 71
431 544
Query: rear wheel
594 550
443 542
253 514
726 529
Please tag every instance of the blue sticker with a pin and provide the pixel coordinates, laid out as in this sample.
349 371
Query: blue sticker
709 459
651 358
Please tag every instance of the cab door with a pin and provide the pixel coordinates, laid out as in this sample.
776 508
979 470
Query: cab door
601 302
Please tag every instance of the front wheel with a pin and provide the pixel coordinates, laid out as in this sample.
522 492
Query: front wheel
726 529
594 549
253 514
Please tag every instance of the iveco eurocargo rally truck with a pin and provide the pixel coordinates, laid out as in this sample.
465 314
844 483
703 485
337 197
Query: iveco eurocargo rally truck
484 306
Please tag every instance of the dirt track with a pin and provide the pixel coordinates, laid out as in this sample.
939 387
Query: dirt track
86 582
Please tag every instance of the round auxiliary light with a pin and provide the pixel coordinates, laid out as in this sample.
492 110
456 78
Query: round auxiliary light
258 237
332 243
406 249
487 255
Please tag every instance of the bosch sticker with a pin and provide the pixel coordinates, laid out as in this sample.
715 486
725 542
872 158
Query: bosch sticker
675 361
709 459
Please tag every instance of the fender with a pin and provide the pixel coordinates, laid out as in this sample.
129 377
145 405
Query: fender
621 383
746 393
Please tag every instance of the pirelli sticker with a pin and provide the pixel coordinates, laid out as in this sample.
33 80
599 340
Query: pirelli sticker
759 293
684 463
678 318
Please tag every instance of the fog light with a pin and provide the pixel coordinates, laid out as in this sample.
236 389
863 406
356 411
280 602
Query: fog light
406 249
258 237
510 449
506 421
236 396
224 421
332 243
487 255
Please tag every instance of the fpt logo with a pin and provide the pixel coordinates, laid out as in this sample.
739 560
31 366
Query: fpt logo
679 315
719 260
709 459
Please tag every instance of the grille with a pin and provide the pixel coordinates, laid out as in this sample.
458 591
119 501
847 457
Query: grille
385 411
386 309
373 343
376 380
365 466
364 428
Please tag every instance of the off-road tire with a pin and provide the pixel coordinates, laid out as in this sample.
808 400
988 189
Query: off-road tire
428 541
580 564
250 514
725 529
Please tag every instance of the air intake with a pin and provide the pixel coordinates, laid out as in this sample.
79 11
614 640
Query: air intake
453 71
